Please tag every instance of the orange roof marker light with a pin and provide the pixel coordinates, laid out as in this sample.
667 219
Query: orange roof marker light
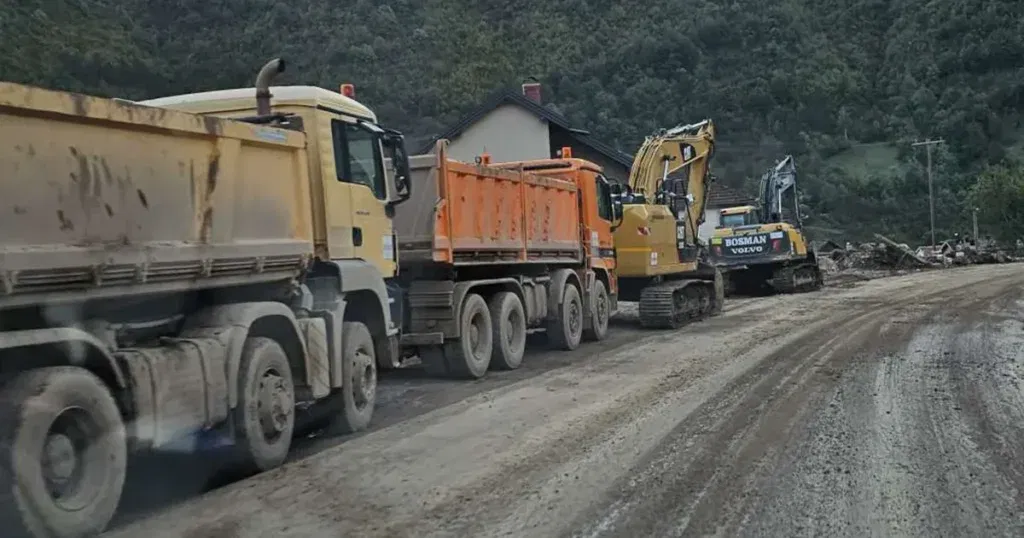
565 153
348 90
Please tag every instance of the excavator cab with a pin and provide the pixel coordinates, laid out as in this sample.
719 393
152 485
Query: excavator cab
737 217
659 255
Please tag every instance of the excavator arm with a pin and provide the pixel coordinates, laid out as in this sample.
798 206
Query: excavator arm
672 168
774 184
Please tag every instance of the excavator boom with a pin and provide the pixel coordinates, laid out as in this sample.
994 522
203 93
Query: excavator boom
774 184
671 168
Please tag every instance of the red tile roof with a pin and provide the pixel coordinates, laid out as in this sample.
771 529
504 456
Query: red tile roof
723 195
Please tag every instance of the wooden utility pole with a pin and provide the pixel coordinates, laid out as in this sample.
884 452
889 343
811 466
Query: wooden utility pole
931 197
974 217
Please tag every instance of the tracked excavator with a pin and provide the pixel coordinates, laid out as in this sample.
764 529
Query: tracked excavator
763 247
661 262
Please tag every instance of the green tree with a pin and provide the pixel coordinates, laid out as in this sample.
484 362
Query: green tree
999 196
819 79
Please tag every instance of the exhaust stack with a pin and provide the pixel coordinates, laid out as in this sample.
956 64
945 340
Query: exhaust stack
267 74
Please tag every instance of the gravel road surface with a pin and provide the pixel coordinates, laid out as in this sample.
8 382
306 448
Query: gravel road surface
890 408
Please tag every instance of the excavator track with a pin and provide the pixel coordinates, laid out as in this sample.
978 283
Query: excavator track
798 279
674 303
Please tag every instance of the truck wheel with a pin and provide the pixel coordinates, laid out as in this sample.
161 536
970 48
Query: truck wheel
599 315
265 416
470 356
566 329
360 390
509 323
62 454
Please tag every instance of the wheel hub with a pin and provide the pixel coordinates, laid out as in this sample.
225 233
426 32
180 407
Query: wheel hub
60 462
574 317
275 404
510 335
364 379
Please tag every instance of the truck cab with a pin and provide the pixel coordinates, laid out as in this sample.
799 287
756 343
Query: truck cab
352 193
358 172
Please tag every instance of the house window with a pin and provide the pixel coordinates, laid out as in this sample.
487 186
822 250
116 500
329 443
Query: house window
357 157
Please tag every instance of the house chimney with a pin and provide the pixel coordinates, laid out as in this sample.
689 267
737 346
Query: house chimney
532 91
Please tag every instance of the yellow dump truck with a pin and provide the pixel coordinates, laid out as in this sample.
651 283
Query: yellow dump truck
167 275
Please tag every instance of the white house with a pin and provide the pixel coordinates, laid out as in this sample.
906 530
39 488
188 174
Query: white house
515 126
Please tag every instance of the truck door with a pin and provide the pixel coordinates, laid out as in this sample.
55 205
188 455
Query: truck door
357 219
602 245
605 217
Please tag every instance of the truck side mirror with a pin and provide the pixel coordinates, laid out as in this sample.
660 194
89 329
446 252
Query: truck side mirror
394 144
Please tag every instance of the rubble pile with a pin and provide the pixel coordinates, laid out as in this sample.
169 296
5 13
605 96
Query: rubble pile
885 256
965 253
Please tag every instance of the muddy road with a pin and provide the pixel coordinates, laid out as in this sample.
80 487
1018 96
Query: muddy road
891 408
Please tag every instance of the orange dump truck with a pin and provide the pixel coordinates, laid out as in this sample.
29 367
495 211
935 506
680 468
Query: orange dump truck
489 253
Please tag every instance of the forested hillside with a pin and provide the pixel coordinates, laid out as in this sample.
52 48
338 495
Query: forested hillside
845 85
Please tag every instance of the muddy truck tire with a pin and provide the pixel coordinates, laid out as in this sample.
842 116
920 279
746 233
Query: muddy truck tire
359 393
469 357
566 330
599 314
350 409
509 326
265 416
62 454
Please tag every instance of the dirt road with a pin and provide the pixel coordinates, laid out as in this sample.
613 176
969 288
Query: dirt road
891 408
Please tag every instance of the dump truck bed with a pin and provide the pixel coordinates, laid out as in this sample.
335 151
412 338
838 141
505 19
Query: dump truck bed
102 197
472 214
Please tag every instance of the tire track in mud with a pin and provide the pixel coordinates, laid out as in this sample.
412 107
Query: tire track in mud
709 472
887 453
472 510
746 423
476 511
982 367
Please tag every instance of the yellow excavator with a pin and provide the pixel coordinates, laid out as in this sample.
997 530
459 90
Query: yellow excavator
660 262
762 247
